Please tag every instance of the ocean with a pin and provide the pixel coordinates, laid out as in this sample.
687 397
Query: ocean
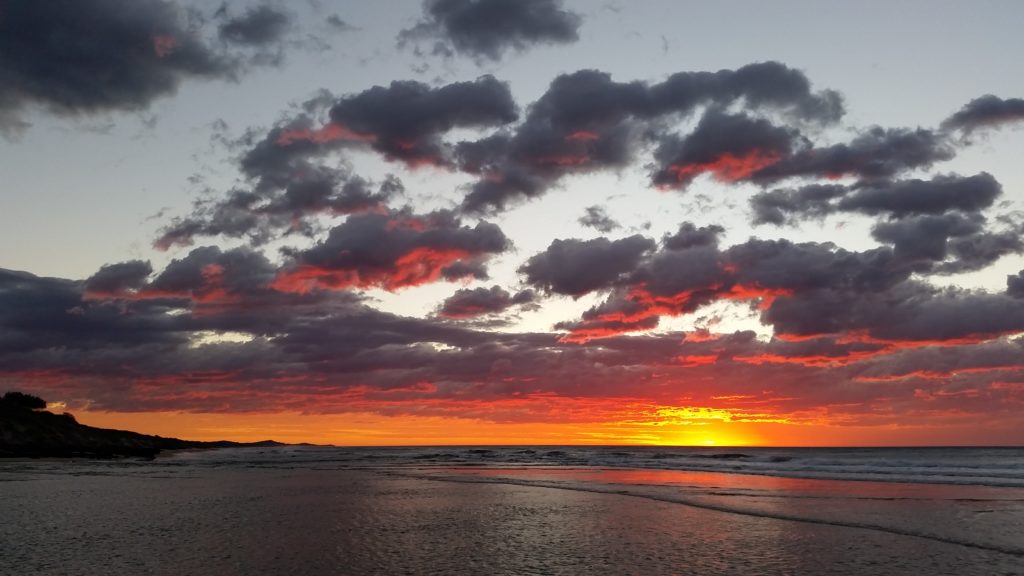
518 510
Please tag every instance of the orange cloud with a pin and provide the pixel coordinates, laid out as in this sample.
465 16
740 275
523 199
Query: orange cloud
727 167
420 265
329 133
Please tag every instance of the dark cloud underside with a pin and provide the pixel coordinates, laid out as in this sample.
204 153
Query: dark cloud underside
257 27
88 56
490 28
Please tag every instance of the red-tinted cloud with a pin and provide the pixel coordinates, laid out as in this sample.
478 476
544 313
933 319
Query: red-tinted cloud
392 251
328 133
727 167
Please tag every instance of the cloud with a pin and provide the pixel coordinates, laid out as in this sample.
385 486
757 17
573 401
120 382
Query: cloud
895 199
115 279
690 236
81 57
1015 285
260 215
876 153
259 26
338 24
978 251
927 242
472 302
576 267
857 336
586 122
208 274
329 352
605 322
730 147
404 120
924 237
597 218
915 197
987 111
943 363
47 323
791 205
490 28
816 289
391 250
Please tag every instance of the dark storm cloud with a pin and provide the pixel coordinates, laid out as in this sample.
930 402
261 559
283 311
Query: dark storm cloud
935 196
471 302
311 341
404 120
806 288
261 215
696 273
927 314
88 56
821 351
825 290
945 364
790 205
48 328
587 122
978 251
618 314
924 237
1015 285
949 243
690 236
576 267
331 351
898 199
392 250
597 217
763 85
489 28
271 161
119 278
44 316
876 153
209 273
259 26
605 321
291 178
731 147
808 266
986 112
462 270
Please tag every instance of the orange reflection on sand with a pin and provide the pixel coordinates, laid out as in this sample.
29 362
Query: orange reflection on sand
713 482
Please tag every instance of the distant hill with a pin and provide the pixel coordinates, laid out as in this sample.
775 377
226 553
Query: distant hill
28 431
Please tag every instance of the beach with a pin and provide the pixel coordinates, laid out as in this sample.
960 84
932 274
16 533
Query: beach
283 512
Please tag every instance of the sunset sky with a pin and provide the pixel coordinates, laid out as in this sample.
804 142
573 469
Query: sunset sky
516 221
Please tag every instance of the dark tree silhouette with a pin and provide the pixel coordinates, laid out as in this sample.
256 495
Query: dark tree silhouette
20 400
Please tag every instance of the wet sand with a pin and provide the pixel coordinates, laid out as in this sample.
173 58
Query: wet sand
985 517
272 521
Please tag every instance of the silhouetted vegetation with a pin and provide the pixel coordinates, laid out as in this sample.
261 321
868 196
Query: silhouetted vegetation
22 401
27 430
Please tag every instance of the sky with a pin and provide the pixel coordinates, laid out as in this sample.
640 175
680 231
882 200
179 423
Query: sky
516 222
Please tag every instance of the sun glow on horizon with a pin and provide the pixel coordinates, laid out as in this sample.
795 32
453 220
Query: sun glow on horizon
367 429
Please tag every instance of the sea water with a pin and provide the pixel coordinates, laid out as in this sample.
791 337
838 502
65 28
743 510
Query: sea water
322 510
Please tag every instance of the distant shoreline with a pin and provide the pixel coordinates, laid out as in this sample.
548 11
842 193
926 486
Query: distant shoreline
34 433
